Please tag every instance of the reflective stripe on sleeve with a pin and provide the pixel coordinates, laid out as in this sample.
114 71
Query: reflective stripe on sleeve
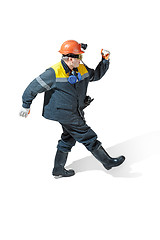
42 83
85 75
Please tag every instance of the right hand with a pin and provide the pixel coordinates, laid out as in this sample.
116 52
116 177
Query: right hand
105 54
24 112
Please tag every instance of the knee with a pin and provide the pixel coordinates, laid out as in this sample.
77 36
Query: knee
65 146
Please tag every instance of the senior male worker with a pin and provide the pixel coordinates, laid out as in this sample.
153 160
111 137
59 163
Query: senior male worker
65 86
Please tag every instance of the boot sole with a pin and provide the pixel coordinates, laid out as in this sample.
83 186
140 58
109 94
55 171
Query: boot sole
56 175
60 176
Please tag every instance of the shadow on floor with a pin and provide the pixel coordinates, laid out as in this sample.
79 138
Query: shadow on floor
135 150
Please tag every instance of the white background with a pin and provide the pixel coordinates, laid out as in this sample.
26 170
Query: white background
122 203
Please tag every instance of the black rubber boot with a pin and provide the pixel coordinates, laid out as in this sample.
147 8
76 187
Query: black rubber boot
107 161
59 163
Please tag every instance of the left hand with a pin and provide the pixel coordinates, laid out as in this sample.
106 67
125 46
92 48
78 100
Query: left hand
105 54
24 112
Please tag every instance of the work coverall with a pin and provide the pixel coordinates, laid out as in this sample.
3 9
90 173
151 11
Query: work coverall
64 102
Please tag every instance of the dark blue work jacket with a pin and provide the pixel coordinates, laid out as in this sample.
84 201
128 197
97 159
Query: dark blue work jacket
63 101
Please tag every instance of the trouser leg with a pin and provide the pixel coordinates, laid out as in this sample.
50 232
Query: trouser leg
82 134
66 142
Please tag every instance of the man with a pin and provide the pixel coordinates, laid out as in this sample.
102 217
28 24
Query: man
65 86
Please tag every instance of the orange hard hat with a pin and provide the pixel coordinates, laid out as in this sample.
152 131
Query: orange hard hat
71 46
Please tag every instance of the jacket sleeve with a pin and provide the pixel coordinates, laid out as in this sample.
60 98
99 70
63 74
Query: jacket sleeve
42 83
100 70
